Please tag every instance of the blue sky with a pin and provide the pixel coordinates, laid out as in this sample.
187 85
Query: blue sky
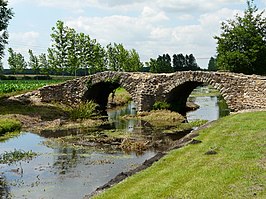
152 27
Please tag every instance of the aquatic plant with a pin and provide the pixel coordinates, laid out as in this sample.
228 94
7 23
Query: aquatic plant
16 155
83 110
161 105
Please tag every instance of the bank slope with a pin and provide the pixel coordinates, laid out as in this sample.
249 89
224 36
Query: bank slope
237 170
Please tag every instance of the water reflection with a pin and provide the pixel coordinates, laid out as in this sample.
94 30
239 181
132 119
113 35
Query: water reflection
63 171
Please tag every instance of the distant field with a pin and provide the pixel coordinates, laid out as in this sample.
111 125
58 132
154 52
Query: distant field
17 86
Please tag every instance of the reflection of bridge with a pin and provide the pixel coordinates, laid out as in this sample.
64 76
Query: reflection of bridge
240 91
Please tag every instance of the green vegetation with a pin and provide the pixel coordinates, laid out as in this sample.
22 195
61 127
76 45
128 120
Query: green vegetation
242 43
13 87
161 105
15 156
9 125
5 15
120 97
236 171
162 118
83 110
163 63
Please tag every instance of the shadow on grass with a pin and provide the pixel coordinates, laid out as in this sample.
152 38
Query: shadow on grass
45 112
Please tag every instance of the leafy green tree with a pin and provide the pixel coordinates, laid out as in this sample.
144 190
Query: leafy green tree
5 15
191 62
1 67
179 62
153 65
242 43
58 56
134 63
34 62
44 64
16 61
212 66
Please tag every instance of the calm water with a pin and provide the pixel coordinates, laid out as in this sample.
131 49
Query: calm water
67 172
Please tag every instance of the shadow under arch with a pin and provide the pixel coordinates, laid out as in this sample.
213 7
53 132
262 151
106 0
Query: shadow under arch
99 93
178 96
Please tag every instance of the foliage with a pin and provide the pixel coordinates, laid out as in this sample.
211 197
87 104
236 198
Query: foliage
160 105
9 86
242 43
16 61
83 110
34 63
212 66
5 15
1 67
120 59
236 171
16 155
180 63
71 51
9 125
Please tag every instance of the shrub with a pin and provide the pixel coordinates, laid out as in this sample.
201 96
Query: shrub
83 110
161 105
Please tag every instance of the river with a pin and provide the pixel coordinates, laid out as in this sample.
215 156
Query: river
61 171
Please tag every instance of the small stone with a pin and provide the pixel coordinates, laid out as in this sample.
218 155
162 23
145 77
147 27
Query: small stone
210 152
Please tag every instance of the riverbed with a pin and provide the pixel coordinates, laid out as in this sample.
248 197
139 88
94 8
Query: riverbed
63 171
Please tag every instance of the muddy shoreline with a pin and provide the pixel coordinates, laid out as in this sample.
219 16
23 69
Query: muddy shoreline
188 139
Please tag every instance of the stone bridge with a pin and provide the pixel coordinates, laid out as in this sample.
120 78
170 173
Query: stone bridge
239 91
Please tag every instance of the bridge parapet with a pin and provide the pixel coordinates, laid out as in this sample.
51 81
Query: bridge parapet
240 91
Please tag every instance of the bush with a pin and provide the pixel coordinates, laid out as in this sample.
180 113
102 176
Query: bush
84 110
9 125
161 105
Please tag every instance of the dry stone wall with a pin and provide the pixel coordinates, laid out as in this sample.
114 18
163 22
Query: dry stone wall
240 91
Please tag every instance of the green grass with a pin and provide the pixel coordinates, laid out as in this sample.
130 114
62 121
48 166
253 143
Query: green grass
9 125
238 170
13 87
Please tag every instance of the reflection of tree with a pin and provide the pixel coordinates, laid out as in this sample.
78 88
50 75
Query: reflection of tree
4 189
67 159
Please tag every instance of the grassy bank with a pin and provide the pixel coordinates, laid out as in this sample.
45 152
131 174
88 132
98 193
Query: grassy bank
236 168
9 125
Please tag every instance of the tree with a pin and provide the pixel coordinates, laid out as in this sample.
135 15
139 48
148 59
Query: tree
44 64
1 67
179 62
58 53
34 62
212 64
134 63
5 15
191 62
242 43
16 61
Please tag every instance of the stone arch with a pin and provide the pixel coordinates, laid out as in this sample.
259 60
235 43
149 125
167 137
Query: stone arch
101 85
180 91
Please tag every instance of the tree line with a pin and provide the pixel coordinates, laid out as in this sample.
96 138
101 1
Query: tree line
241 48
71 51
179 62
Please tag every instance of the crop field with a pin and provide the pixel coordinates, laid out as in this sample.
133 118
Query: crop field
12 86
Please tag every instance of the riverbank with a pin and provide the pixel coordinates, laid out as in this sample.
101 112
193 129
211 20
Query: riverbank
228 162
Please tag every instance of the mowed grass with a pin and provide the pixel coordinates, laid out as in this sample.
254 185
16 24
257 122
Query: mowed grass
238 170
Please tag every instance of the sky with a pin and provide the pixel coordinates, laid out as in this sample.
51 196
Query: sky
152 27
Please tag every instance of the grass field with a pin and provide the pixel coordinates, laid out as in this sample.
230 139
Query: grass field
237 170
11 87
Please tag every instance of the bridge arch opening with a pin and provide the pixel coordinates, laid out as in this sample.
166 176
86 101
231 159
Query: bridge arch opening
180 97
107 94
